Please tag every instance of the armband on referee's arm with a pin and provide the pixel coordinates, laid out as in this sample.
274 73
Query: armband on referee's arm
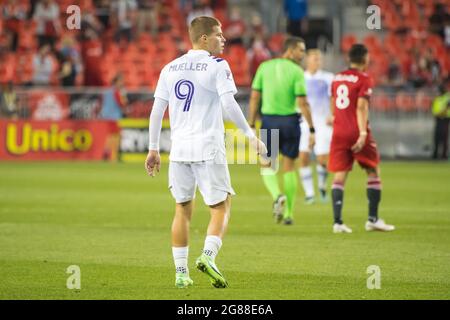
312 130
363 133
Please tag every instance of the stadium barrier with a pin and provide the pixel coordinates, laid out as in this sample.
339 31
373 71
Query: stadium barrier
401 121
55 140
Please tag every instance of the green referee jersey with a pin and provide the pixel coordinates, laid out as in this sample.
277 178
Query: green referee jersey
280 81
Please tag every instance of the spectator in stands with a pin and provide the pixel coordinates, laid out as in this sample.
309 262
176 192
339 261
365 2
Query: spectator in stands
90 21
270 13
257 54
296 12
13 12
48 25
200 8
92 53
114 100
425 69
257 30
124 16
394 73
234 28
441 113
42 66
102 12
6 40
447 31
148 16
68 71
438 20
186 6
8 102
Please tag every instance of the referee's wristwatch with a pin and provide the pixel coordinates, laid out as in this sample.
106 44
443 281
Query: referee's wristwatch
312 130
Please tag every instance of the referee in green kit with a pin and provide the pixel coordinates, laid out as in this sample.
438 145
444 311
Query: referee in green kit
281 85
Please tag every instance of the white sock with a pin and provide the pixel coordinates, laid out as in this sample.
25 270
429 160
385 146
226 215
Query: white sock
322 175
180 258
307 181
212 246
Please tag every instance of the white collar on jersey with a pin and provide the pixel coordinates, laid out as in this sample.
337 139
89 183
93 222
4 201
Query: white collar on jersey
198 52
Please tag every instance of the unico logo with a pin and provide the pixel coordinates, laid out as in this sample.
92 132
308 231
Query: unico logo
66 140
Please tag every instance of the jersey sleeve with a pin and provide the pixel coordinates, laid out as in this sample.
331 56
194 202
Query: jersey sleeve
300 84
257 80
161 90
224 79
329 81
365 90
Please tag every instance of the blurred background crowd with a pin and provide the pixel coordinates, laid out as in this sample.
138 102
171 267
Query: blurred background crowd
122 45
137 37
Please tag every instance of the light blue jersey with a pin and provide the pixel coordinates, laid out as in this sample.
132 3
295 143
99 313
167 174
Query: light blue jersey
318 86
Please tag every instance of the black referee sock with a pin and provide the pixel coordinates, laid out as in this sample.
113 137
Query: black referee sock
374 197
337 194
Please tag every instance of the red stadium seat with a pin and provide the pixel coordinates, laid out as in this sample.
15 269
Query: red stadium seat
423 101
405 101
381 101
347 42
275 43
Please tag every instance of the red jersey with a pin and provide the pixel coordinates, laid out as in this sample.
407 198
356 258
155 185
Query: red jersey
346 88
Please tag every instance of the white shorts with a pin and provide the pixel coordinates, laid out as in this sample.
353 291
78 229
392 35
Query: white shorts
323 138
211 176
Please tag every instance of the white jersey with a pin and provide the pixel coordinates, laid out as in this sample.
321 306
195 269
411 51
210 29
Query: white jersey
318 87
193 84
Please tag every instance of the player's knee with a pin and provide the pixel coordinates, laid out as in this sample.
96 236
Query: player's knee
184 204
373 172
304 159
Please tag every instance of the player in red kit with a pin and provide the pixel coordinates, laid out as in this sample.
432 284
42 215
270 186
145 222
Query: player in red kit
352 139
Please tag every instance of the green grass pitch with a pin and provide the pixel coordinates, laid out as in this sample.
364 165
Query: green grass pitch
113 221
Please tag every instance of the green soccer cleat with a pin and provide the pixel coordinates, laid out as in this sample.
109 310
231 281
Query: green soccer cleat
206 265
183 281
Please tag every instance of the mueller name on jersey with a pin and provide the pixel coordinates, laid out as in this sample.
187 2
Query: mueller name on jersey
188 67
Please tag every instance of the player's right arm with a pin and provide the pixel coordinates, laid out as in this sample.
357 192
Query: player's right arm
153 161
362 113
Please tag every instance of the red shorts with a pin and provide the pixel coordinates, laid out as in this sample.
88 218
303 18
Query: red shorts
342 157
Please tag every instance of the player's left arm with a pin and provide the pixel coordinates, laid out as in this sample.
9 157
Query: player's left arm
362 115
330 119
255 100
231 107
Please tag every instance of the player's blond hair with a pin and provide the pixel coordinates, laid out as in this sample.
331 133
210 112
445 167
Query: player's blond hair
202 26
311 52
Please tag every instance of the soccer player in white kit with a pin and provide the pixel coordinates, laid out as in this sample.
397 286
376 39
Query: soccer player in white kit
196 87
318 86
